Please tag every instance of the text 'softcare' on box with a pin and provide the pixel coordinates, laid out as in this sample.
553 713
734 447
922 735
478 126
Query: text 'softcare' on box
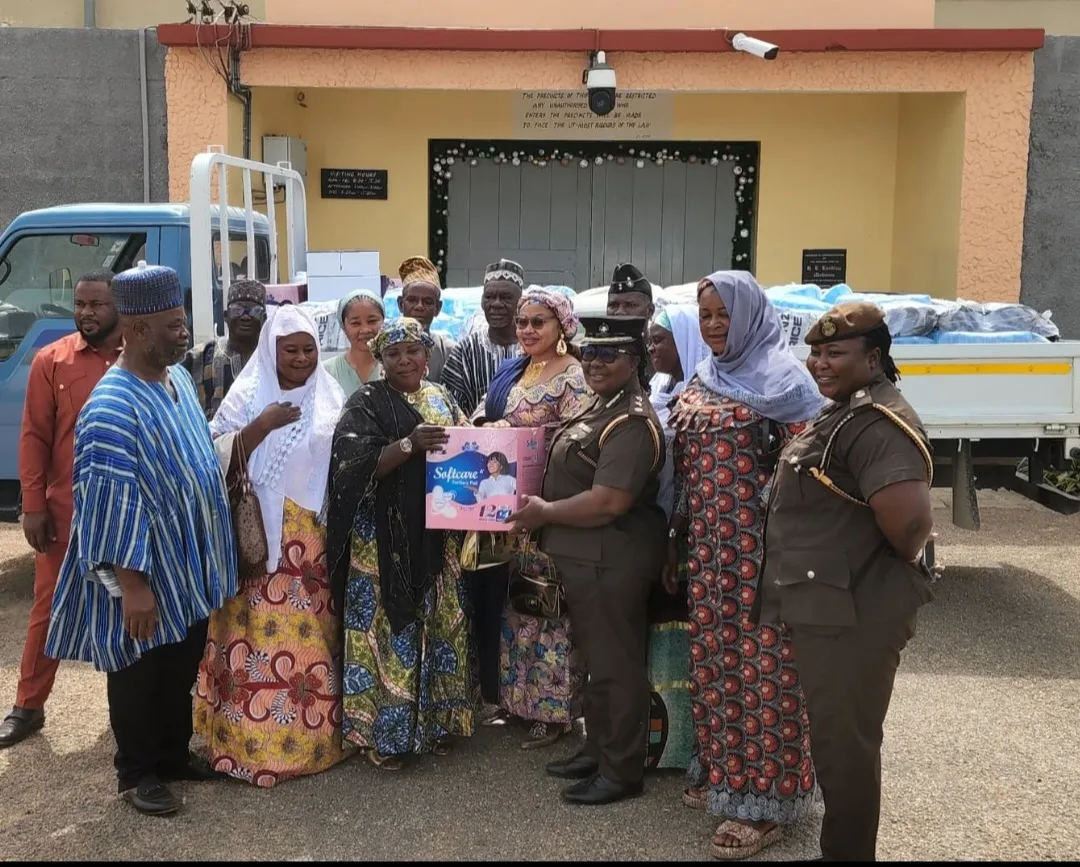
482 476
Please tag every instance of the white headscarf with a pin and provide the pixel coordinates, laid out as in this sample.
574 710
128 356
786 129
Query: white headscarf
293 461
682 321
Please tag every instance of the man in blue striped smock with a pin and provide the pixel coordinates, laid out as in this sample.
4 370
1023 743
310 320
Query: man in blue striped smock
152 550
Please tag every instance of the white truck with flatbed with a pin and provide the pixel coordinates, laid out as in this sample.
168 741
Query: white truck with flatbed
999 415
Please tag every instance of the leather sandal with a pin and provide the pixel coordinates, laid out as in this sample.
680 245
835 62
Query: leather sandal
384 763
751 840
696 798
442 747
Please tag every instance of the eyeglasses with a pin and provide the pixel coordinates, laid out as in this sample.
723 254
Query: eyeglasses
537 322
255 311
605 354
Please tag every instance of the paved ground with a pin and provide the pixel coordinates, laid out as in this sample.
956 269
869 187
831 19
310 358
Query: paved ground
980 754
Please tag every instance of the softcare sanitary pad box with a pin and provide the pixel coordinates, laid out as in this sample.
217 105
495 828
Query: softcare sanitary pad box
482 476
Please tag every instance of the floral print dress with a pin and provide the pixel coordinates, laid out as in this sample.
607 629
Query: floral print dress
268 698
751 729
540 677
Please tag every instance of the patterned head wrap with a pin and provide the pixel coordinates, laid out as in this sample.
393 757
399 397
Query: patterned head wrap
404 329
557 303
247 290
147 289
662 319
418 269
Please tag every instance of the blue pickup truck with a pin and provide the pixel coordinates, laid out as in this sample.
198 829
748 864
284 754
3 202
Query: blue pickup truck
42 255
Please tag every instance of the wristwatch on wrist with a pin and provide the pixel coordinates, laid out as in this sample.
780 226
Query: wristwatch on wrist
405 444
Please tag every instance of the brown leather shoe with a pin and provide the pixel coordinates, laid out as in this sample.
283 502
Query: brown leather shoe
20 724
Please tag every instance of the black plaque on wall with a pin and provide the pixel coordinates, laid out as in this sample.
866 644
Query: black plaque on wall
824 268
355 184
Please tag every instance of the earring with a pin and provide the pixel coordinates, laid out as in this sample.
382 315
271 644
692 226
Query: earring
560 347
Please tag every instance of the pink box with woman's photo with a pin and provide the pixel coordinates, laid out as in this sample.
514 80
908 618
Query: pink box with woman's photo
482 475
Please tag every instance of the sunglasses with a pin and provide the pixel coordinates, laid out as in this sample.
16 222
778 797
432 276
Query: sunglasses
255 311
537 322
605 354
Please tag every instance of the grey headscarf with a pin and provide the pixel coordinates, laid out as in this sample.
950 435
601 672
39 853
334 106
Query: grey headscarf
757 367
366 294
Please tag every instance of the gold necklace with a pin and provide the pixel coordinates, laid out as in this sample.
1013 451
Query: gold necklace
532 374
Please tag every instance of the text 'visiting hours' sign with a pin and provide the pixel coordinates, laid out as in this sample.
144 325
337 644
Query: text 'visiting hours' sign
564 114
355 184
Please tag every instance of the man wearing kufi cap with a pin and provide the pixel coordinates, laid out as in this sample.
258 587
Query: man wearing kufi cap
601 525
421 298
215 364
474 361
152 551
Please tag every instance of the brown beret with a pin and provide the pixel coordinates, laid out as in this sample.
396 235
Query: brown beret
844 321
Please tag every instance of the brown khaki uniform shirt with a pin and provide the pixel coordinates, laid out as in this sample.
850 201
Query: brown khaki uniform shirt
616 443
827 562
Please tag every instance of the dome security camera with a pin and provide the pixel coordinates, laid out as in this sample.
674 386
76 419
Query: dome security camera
757 47
599 78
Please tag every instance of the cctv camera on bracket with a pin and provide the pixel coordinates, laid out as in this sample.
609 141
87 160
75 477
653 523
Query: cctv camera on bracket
599 79
757 47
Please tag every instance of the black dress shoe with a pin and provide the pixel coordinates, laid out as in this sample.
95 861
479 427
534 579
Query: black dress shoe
20 724
574 768
599 790
197 770
152 798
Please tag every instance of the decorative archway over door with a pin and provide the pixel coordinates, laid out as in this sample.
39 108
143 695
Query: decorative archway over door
570 211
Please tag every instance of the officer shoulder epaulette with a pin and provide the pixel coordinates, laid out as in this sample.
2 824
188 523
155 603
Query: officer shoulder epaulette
861 399
638 407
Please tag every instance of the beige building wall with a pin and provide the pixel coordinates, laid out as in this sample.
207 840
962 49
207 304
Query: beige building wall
1056 17
610 14
121 14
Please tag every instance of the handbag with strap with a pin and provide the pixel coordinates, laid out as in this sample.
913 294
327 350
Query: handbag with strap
482 550
535 589
252 550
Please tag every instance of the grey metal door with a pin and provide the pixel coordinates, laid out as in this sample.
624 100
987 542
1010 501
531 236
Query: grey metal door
675 222
538 216
571 226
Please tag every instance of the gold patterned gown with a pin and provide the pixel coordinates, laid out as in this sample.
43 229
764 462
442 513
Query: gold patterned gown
268 700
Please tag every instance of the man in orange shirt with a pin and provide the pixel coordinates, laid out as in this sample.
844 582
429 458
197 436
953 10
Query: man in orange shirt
61 378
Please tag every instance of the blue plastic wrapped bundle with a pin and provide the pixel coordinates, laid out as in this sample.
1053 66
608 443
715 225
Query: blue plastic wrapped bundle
798 296
953 337
995 317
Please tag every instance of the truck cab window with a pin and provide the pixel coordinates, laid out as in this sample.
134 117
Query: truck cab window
238 257
38 275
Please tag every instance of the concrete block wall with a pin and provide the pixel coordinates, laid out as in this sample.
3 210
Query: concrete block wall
71 121
1050 272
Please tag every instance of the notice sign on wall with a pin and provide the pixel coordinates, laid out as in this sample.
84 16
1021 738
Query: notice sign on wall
564 114
355 184
824 268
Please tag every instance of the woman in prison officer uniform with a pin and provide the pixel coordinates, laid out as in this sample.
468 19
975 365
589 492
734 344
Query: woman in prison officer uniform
848 517
603 529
